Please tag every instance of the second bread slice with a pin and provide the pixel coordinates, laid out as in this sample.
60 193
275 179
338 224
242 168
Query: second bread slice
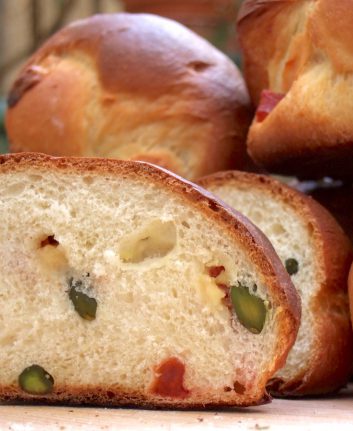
317 254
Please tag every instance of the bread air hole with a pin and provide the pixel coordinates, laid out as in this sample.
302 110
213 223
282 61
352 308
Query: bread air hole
155 240
88 180
51 253
237 387
15 189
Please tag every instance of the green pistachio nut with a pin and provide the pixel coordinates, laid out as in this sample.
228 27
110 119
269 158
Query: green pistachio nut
84 305
250 309
292 266
36 380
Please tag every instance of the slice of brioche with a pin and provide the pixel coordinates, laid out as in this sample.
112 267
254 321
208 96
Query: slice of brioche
136 87
115 288
300 229
298 64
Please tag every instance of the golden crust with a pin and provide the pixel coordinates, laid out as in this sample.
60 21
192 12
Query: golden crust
116 396
331 359
128 86
235 226
309 133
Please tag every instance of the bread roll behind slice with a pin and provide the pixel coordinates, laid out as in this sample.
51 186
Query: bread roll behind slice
299 76
116 289
317 254
133 87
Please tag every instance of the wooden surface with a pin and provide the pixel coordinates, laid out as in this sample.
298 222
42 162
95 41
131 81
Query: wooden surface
310 414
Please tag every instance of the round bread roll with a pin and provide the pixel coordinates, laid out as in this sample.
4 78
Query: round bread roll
298 59
132 86
317 255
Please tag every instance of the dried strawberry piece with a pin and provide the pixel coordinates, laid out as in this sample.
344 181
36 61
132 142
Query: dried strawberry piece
226 299
268 101
239 388
169 379
214 271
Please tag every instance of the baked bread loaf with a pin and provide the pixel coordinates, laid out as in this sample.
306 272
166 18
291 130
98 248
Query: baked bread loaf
317 255
299 74
132 86
123 284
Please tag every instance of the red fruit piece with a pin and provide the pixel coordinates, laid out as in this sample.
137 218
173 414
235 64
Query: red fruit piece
169 379
268 102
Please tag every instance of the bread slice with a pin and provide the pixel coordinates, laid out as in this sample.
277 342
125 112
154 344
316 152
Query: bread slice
299 75
300 229
135 87
115 289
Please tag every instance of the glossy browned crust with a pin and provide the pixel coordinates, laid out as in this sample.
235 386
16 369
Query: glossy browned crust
237 227
55 108
331 360
294 47
294 150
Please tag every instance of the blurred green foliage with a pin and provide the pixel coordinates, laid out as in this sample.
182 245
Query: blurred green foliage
3 140
223 32
224 35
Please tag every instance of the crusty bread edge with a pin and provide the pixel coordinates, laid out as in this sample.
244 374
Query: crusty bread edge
236 226
329 369
116 396
289 154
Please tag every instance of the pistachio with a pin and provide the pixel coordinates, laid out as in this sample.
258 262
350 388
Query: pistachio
84 305
36 380
250 309
292 266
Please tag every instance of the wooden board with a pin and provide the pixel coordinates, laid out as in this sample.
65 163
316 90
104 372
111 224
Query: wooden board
309 414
